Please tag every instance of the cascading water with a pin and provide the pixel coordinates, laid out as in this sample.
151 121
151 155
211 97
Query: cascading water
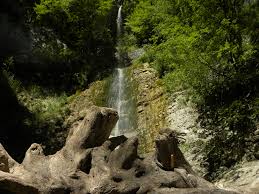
119 94
119 21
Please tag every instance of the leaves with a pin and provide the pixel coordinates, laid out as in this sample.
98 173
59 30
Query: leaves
86 28
210 48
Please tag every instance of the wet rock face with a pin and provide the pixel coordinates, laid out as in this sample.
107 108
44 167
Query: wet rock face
151 104
90 162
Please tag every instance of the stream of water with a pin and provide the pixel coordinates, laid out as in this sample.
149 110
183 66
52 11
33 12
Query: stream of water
120 97
119 21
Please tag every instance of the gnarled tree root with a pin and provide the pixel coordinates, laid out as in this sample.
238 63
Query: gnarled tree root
91 162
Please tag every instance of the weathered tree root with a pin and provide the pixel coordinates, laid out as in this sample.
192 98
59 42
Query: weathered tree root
90 162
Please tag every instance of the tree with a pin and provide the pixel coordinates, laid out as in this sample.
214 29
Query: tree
211 48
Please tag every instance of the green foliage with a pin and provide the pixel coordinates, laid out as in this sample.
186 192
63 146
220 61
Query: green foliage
129 6
73 42
45 114
127 43
48 111
78 23
49 6
14 83
140 22
210 48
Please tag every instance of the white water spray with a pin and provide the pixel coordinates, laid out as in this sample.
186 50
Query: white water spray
119 96
119 72
119 21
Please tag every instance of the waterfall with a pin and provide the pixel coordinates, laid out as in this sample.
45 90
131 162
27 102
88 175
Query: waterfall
119 21
116 98
120 97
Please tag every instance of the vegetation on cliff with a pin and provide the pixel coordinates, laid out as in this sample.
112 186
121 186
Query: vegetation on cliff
211 49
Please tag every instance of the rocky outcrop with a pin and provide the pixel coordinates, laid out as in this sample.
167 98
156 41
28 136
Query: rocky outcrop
242 177
90 162
182 116
151 104
157 108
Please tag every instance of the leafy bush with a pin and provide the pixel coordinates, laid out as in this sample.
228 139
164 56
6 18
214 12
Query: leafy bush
86 27
45 113
210 48
73 43
48 111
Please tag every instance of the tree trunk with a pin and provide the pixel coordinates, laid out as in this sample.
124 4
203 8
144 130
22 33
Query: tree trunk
91 162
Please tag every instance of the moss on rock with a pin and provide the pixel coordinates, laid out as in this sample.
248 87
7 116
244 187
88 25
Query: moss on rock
151 105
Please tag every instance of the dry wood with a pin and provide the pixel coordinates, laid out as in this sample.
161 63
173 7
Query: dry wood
91 162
